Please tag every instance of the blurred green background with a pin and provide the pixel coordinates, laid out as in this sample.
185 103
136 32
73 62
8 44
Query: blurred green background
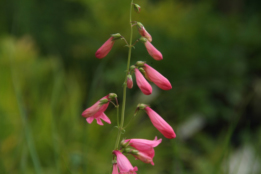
49 75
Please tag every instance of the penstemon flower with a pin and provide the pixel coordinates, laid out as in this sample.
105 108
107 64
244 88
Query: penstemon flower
115 169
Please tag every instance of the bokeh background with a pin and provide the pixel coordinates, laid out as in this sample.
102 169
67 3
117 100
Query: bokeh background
49 75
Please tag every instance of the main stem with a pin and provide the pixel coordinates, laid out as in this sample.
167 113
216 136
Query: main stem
125 83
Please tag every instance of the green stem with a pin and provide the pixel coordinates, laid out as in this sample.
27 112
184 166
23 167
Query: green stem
125 83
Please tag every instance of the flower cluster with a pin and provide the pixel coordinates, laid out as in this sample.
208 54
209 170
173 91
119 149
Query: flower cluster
141 149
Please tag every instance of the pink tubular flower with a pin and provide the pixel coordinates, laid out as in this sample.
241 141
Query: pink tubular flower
96 111
160 123
115 169
105 48
142 83
124 164
145 148
153 52
157 78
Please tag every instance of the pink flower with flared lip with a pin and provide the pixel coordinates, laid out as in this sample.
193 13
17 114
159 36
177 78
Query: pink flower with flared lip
105 48
98 118
96 111
154 76
145 148
142 83
124 164
143 32
160 124
115 169
153 52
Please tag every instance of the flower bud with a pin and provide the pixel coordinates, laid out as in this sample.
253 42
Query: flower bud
116 36
125 143
129 81
143 39
140 63
136 8
104 101
141 106
132 67
112 96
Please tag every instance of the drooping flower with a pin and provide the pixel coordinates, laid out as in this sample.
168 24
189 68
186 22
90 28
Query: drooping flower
145 148
129 81
154 76
107 46
160 124
142 83
143 32
124 164
153 52
97 110
115 169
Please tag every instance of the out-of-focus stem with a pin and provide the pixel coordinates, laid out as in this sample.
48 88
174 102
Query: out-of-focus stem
125 83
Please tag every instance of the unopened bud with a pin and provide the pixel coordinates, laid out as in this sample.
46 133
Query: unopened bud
116 36
143 39
112 96
141 106
136 8
127 150
125 143
104 101
132 67
139 25
140 63
129 81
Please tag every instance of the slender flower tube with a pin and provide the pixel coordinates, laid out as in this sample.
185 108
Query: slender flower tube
154 76
143 32
142 83
115 169
107 46
153 52
160 124
124 164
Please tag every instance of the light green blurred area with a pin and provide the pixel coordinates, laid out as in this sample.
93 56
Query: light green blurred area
49 75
